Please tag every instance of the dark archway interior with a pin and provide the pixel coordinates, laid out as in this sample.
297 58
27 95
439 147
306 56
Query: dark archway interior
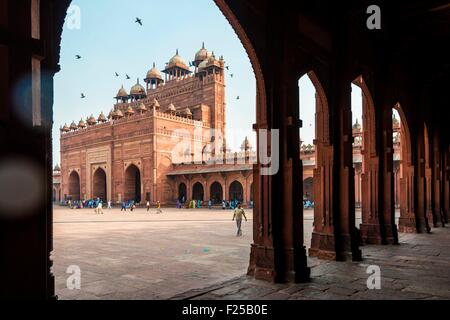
133 184
182 193
216 193
236 192
99 185
74 187
198 192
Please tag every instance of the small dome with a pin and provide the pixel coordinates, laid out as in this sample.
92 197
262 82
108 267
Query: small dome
91 120
122 93
176 60
65 128
188 112
111 114
130 111
102 118
119 114
57 168
81 124
154 73
73 126
156 104
171 108
137 90
202 54
142 108
357 126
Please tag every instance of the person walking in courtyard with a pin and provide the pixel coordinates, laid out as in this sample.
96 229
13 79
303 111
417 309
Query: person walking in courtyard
238 214
209 204
99 209
109 204
158 207
148 206
124 206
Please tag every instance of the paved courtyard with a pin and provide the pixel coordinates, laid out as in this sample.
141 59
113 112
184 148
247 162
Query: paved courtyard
194 254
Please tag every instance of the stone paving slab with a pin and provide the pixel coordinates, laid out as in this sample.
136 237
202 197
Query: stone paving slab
194 254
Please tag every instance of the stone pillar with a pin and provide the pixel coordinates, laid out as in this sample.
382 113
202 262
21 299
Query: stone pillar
386 179
420 188
348 237
446 182
436 181
278 253
323 242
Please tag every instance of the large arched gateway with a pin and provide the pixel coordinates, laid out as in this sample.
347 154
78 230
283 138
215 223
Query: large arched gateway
133 184
99 185
236 191
74 186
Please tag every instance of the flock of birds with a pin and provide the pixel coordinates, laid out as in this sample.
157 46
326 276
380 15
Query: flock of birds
139 21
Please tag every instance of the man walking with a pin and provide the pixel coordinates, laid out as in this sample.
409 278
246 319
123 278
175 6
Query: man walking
238 214
148 206
124 206
158 207
99 209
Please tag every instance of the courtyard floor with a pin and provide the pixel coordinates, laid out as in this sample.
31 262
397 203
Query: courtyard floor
194 254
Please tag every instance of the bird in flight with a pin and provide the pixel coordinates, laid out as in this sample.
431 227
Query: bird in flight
190 64
138 20
238 98
227 67
128 77
232 75
83 96
117 74
78 57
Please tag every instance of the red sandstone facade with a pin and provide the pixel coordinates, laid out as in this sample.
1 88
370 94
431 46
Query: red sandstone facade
129 155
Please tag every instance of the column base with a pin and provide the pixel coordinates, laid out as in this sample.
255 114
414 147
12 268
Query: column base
431 220
262 265
391 234
322 246
347 250
409 225
370 233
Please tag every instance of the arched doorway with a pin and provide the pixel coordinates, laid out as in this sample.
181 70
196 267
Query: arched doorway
99 185
74 186
198 192
133 184
236 191
54 195
182 193
251 192
216 193
308 190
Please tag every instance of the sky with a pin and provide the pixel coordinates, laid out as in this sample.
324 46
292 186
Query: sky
109 41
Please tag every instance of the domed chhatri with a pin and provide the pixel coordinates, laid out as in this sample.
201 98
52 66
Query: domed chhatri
81 124
357 126
137 92
91 120
171 109
176 61
65 128
153 73
130 111
102 118
57 168
188 112
73 126
122 93
142 108
201 55
155 104
395 121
